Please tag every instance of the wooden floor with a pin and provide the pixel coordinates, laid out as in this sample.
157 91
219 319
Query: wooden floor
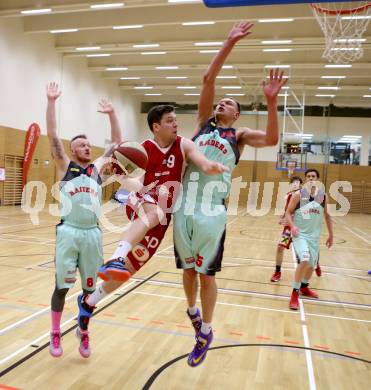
140 335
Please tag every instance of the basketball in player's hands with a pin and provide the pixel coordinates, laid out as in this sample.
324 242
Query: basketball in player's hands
130 158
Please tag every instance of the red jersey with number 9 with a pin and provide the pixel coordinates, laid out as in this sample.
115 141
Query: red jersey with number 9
165 168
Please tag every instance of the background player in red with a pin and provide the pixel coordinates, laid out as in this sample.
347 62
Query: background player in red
150 209
285 241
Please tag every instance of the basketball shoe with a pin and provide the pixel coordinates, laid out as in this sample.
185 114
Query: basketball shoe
55 347
276 276
114 270
307 292
294 301
84 348
203 341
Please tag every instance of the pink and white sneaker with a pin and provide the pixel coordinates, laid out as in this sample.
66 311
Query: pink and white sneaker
84 348
55 347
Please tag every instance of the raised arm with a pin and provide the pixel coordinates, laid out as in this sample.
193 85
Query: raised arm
206 166
56 146
258 138
206 101
106 107
295 199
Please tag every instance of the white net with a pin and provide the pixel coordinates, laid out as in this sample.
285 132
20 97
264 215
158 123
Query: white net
291 165
343 25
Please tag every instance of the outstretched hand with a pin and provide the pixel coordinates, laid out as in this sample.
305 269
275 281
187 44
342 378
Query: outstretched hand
216 168
272 87
240 30
52 91
105 106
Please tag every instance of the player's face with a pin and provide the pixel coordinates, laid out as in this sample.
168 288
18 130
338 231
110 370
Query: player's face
296 185
168 127
311 177
227 109
81 150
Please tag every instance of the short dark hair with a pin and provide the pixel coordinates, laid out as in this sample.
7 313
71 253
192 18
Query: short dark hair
155 114
296 178
78 136
312 170
238 105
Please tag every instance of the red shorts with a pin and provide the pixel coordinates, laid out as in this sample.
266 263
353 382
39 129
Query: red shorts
145 249
286 239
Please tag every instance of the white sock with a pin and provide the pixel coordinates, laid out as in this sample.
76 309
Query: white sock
192 310
206 327
96 296
122 250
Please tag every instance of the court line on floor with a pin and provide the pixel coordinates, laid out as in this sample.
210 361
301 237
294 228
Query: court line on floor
40 348
156 374
352 231
279 296
255 307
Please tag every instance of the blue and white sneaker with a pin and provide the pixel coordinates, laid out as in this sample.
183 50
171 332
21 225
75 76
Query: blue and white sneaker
85 312
114 270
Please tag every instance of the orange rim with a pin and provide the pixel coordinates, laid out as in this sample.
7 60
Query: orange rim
340 12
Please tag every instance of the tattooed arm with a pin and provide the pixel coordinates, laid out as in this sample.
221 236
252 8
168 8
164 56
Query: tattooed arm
56 146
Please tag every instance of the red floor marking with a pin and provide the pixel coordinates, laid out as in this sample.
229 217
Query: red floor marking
133 318
22 301
263 338
352 353
182 326
236 333
158 322
42 304
8 387
291 342
3 298
321 346
109 315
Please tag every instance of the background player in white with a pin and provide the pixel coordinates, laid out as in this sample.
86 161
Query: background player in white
305 214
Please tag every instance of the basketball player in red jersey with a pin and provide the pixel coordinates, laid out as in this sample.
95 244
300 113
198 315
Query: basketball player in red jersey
285 241
150 208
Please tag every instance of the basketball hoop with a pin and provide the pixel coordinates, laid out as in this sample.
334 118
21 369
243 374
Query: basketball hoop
291 165
343 25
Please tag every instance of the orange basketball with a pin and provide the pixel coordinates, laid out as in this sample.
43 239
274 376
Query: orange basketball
129 156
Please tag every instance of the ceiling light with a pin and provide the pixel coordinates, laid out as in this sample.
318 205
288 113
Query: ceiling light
226 77
108 5
153 94
285 87
197 23
227 67
352 136
99 55
332 77
235 94
66 30
36 11
338 66
283 94
88 48
130 78
143 87
176 77
332 88
367 96
209 51
184 1
191 94
186 87
152 52
277 66
208 43
166 67
277 50
117 68
129 26
277 42
232 87
147 45
279 20
284 77
331 96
